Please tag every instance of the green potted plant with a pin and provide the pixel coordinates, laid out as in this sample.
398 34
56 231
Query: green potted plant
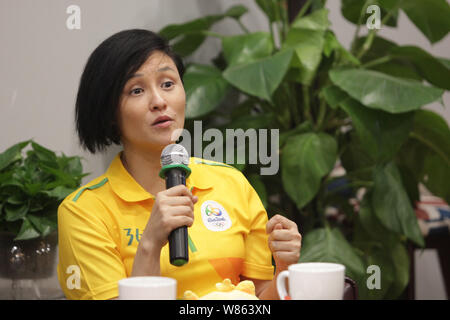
32 185
360 107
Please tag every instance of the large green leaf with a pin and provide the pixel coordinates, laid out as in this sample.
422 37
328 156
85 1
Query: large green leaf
187 37
205 89
400 261
430 16
391 203
27 231
373 228
355 159
236 12
261 77
42 224
383 248
380 133
59 193
15 212
247 47
270 8
329 245
433 131
308 46
429 67
436 176
43 153
307 38
305 160
333 95
12 154
318 20
380 91
333 45
411 160
428 154
71 165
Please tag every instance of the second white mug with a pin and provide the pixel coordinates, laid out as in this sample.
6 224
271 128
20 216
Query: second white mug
313 281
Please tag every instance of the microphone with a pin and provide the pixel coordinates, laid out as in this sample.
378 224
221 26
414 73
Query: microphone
175 170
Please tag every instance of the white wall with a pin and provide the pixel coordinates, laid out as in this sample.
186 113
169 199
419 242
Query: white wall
41 60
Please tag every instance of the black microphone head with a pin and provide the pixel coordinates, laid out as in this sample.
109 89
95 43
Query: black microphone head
174 154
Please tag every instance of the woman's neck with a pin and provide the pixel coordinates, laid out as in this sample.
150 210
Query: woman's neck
144 167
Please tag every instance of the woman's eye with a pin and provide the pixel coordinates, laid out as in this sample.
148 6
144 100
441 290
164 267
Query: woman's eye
167 84
136 91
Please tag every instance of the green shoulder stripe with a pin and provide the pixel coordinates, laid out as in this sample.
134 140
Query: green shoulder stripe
95 186
214 164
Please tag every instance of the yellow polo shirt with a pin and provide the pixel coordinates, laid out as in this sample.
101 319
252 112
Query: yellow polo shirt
101 223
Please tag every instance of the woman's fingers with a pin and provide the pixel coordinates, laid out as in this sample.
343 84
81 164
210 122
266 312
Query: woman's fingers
284 241
283 221
179 190
177 201
286 257
292 245
281 234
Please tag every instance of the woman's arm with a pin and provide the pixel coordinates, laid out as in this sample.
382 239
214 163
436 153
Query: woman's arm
146 260
284 243
173 208
264 289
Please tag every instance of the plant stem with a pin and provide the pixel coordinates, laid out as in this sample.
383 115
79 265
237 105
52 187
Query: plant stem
376 62
294 104
321 116
243 27
358 28
272 35
367 44
372 33
284 19
306 102
304 9
278 22
212 34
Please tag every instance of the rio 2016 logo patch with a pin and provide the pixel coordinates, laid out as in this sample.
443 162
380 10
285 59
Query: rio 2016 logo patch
214 216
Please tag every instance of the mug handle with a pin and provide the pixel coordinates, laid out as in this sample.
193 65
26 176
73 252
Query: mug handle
281 285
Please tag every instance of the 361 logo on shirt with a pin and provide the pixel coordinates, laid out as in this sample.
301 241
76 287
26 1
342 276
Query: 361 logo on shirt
133 235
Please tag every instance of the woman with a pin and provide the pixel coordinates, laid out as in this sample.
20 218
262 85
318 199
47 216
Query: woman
131 93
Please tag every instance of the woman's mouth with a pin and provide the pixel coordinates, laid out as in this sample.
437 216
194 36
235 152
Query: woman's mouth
163 124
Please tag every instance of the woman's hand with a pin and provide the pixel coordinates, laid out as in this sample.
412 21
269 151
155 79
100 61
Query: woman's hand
173 208
284 241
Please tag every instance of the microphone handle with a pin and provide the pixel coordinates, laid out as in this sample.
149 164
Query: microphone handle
178 238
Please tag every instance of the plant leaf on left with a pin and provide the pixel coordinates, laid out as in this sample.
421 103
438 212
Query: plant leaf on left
32 187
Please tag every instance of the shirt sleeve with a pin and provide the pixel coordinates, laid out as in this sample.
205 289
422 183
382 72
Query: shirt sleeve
258 257
90 263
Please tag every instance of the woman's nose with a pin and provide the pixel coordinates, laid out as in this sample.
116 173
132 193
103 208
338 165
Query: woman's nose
157 101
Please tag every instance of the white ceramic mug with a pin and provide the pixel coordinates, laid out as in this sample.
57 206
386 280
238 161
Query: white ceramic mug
147 288
312 281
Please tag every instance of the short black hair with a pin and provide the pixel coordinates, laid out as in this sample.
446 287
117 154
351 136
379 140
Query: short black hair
106 72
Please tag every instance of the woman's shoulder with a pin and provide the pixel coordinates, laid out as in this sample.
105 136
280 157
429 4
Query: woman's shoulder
215 172
80 192
214 167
